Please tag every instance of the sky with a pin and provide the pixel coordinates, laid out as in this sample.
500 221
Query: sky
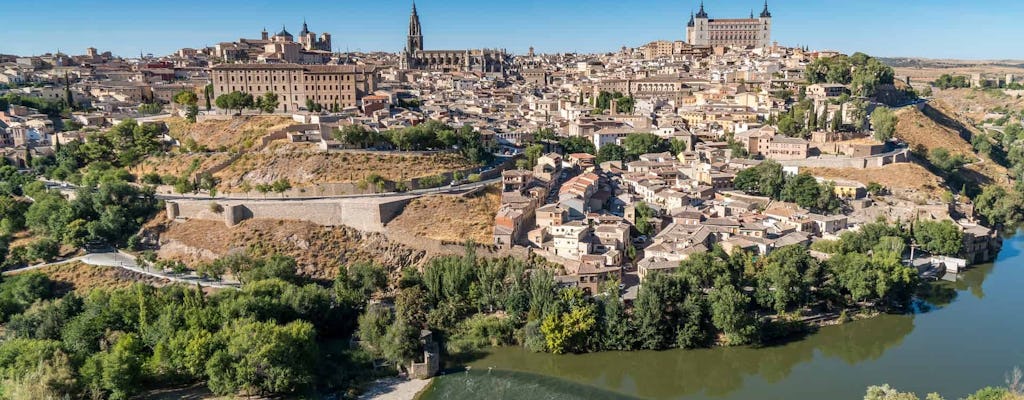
963 29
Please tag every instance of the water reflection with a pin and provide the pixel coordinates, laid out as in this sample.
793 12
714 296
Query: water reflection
712 372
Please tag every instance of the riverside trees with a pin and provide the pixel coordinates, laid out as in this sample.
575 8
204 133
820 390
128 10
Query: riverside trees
273 336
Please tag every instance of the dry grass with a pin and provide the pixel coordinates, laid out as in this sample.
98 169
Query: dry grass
974 104
319 250
451 218
304 166
236 133
919 129
953 67
902 175
83 278
177 164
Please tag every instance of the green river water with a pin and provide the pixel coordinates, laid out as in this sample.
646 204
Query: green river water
965 336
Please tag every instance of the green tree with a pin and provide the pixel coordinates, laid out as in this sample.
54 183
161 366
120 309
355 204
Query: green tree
884 122
567 331
611 152
268 102
235 101
943 238
636 144
729 313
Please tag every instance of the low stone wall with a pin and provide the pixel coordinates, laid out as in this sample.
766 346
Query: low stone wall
368 215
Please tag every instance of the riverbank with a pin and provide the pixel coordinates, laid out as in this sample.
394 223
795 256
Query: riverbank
922 351
395 388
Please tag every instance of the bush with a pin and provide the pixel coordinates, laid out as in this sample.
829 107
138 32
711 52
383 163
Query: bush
473 178
152 178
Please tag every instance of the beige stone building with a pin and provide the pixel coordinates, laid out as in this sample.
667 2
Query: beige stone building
327 85
739 32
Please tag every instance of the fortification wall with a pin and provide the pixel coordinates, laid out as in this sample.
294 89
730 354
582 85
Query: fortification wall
368 215
849 162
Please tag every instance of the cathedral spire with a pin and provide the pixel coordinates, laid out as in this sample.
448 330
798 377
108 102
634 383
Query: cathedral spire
415 40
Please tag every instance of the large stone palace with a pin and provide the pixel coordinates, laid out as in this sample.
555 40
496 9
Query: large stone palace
472 60
326 85
738 32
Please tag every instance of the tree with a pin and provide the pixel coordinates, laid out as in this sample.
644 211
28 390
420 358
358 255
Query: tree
786 278
188 99
943 238
577 145
268 103
884 121
729 313
636 144
262 357
766 179
69 99
611 152
208 95
567 331
235 101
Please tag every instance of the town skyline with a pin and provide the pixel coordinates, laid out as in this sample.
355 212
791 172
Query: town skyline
939 29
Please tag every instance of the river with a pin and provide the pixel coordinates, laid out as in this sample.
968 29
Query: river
964 336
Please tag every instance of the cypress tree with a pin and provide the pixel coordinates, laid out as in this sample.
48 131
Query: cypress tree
68 98
812 118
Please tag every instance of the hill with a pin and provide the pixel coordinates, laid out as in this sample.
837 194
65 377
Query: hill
237 133
451 218
908 179
318 250
306 165
83 278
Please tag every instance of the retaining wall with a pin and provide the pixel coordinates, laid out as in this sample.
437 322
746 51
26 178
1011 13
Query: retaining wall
368 215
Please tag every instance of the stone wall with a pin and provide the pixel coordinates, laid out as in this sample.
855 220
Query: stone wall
365 214
850 162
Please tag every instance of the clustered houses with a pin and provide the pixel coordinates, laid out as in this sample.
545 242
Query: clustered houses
711 98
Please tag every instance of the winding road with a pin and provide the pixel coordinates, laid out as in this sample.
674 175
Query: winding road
129 262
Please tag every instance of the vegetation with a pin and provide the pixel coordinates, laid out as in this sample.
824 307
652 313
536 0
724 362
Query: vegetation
190 101
883 120
946 81
235 101
624 104
636 144
278 335
768 179
863 73
429 135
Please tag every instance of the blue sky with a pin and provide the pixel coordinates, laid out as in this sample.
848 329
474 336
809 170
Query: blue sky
978 29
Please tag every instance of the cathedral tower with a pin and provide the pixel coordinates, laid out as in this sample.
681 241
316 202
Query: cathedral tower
415 41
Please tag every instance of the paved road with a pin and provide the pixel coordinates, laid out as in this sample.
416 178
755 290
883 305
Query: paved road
127 261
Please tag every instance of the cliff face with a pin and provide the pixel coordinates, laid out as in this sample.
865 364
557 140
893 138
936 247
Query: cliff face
319 250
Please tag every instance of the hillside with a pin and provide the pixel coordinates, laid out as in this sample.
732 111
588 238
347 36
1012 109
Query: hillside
974 104
450 218
237 133
917 128
178 164
908 179
936 126
82 278
305 165
318 250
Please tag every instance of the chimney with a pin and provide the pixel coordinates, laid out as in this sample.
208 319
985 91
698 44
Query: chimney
614 106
